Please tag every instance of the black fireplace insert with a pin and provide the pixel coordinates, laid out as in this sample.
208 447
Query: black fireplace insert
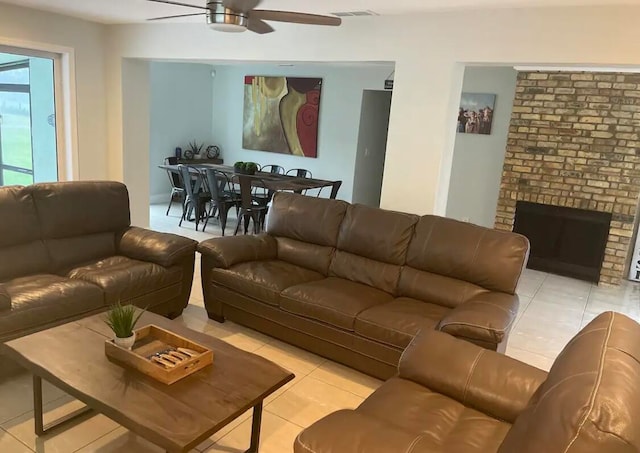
565 241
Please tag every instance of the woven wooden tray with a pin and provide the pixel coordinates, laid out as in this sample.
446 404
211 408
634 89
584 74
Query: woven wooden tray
153 340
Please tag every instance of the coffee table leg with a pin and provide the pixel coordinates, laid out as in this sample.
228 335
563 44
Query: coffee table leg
255 428
40 427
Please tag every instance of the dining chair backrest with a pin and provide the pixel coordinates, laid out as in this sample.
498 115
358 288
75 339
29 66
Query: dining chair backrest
300 173
273 169
174 177
216 183
190 183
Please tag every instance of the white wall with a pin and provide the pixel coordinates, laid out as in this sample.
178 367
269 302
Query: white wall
44 30
181 111
372 147
478 159
340 107
430 52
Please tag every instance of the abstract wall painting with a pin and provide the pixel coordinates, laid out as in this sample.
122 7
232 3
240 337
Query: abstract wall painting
475 115
281 114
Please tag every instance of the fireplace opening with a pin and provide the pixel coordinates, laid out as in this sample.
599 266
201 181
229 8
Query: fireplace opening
565 241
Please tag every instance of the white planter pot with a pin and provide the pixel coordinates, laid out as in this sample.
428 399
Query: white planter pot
126 343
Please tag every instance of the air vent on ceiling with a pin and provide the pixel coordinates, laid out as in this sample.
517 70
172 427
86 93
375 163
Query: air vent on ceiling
356 13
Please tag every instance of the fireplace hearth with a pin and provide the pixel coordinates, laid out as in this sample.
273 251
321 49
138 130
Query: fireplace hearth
565 241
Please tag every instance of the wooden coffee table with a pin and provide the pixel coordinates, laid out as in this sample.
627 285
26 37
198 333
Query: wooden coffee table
176 417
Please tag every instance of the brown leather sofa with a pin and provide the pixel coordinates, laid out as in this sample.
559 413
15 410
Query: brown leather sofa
67 250
454 397
355 284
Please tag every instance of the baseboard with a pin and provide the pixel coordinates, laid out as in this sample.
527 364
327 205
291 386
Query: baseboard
159 198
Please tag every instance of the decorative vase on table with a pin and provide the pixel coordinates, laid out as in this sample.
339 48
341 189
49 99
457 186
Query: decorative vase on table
122 320
126 343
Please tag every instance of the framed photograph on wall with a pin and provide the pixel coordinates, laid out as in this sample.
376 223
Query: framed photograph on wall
475 115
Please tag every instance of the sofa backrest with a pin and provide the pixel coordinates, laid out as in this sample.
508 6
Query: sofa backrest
372 246
79 221
450 261
428 258
22 250
590 402
306 229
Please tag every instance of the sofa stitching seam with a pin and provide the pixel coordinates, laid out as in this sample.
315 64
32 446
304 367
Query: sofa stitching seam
597 386
470 376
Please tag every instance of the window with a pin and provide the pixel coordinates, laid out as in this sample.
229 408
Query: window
28 148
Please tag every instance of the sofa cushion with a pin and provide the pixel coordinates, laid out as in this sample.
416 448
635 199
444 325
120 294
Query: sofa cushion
377 234
397 322
67 253
440 423
488 258
306 219
434 288
25 259
5 298
123 279
310 256
263 280
363 270
38 300
334 301
590 399
68 209
348 431
20 222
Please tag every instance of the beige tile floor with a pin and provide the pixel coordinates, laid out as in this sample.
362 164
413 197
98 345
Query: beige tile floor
552 310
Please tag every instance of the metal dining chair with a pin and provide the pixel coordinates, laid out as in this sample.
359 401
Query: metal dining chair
272 168
299 173
177 189
249 209
222 199
196 198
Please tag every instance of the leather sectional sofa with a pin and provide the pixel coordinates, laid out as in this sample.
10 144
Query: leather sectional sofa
355 284
454 397
67 250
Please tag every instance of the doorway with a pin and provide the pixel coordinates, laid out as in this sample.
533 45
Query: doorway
28 140
372 147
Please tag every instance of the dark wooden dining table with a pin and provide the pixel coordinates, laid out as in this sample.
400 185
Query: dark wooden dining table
270 181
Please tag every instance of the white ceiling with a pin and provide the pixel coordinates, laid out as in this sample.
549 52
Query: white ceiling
127 11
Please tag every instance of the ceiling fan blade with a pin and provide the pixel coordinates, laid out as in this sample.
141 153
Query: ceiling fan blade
242 6
296 18
260 27
173 17
169 2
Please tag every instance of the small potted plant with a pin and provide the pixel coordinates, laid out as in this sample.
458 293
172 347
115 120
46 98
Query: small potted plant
193 150
245 168
122 320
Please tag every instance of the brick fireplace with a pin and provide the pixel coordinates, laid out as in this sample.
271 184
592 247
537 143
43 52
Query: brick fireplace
574 142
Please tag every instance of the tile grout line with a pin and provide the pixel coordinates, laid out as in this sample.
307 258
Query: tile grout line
16 439
99 437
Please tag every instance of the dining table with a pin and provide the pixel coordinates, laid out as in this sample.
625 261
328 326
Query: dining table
271 181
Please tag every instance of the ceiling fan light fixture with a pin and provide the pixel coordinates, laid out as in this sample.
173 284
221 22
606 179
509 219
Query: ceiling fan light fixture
228 28
224 19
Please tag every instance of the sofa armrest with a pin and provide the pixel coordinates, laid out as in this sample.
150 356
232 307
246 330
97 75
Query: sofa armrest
5 299
226 251
164 249
487 317
476 377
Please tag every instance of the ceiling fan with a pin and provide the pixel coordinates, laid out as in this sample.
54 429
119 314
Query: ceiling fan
241 15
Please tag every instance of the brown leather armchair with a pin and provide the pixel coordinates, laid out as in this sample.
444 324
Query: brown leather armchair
453 397
67 250
355 284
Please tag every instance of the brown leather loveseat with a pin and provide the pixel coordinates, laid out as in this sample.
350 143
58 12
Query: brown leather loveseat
67 250
454 397
355 284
